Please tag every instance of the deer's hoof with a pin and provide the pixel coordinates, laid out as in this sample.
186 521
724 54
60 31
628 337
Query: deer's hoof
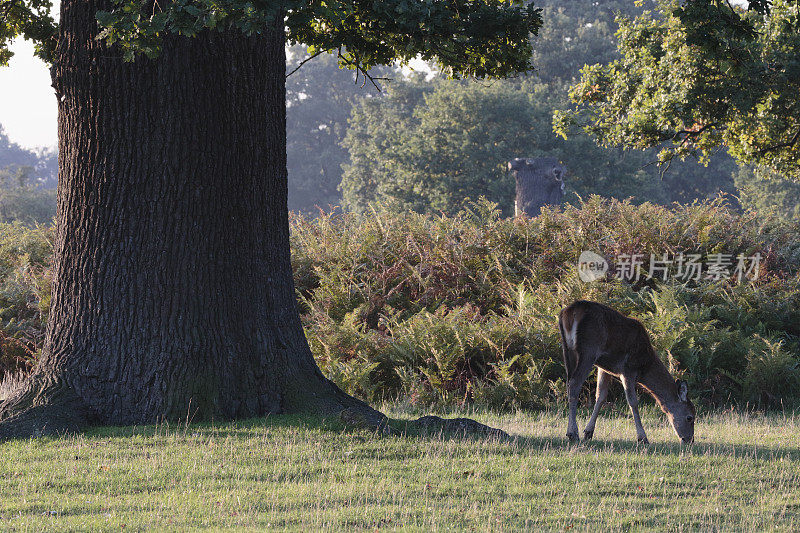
587 435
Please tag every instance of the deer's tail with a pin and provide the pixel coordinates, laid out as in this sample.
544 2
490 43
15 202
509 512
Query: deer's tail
567 342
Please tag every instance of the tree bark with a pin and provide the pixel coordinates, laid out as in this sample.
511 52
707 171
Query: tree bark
173 295
540 182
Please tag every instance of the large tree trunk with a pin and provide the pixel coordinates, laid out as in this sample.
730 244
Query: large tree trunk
173 294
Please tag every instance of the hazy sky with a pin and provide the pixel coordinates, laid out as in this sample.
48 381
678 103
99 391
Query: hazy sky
27 101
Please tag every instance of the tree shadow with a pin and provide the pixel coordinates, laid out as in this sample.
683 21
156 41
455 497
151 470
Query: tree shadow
697 449
405 429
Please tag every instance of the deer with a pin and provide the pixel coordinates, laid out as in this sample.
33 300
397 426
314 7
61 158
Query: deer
593 334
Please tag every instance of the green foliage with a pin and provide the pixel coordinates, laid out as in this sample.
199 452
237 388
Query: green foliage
30 19
575 34
22 201
319 97
30 205
767 192
488 38
462 309
695 76
453 310
25 278
737 344
451 145
375 138
19 166
432 146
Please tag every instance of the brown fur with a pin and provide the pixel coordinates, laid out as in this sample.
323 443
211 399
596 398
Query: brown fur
594 334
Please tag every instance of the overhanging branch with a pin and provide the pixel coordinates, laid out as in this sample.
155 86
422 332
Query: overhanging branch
303 62
788 144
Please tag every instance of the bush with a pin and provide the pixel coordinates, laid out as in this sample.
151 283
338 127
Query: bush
25 279
444 311
28 204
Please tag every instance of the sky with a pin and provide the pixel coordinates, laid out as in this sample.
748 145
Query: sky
28 109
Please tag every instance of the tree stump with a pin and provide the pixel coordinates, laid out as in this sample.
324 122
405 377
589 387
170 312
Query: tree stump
540 182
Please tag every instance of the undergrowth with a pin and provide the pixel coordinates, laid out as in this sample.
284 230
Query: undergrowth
445 311
460 310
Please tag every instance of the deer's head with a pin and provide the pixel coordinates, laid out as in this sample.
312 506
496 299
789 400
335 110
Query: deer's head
681 413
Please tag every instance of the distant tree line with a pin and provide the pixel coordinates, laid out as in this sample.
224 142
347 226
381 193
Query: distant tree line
27 183
431 144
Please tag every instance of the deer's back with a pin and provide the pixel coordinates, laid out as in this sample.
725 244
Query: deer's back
620 343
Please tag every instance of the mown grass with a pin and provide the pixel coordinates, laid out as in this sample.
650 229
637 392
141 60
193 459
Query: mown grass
307 474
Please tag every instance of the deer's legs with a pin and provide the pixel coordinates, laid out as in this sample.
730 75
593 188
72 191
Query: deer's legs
629 382
574 384
603 382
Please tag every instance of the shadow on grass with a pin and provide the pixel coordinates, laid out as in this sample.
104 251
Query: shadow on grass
238 428
698 449
512 445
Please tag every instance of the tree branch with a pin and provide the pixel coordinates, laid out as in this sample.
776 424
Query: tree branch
693 133
355 64
788 144
303 62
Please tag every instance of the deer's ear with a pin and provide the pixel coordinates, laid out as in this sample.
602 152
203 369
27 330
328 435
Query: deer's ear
683 390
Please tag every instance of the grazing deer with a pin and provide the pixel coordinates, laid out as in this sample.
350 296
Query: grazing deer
593 334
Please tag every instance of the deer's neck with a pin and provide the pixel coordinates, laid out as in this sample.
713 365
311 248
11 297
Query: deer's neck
660 384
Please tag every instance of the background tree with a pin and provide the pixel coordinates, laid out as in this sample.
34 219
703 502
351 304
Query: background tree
42 162
13 154
377 130
433 146
27 183
319 97
429 146
173 294
21 200
767 192
46 167
577 33
695 76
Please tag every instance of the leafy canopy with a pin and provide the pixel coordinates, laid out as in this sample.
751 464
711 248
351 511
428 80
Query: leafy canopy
29 19
487 38
465 37
697 76
431 146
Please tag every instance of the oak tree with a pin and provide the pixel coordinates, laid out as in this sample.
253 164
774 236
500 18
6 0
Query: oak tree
697 76
173 294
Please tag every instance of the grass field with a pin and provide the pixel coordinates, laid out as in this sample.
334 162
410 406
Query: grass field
743 473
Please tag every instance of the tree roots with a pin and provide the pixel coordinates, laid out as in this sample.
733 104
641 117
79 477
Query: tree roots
463 427
42 406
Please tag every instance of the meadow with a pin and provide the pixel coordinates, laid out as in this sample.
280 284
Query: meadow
456 315
293 473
